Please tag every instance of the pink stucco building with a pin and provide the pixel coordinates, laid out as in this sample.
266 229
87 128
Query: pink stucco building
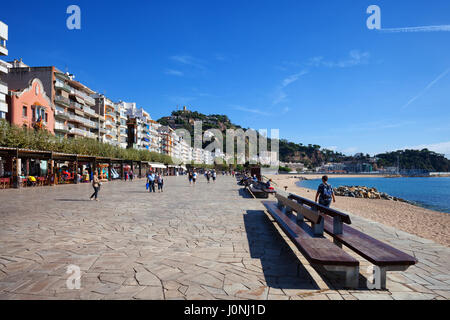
31 106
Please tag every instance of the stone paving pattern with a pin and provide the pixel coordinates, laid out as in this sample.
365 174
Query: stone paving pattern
205 242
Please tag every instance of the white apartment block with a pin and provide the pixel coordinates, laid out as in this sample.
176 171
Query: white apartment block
74 109
154 136
3 70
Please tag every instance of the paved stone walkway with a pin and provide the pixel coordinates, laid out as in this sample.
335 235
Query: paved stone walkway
202 242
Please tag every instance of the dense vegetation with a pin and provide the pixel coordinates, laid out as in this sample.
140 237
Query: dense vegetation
15 137
415 159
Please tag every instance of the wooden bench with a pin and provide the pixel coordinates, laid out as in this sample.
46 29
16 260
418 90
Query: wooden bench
383 256
318 250
257 192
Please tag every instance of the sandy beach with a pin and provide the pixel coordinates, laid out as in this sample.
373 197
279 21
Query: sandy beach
422 222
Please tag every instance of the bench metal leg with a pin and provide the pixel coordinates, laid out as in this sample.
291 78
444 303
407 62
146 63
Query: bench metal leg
318 228
378 278
351 275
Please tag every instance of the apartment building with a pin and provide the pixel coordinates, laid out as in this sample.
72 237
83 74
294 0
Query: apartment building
108 113
197 155
138 125
3 70
73 101
155 137
185 153
166 140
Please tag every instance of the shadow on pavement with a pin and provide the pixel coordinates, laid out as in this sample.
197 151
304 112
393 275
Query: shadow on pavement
281 267
244 194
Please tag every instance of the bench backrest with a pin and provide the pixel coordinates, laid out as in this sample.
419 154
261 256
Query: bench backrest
345 218
309 214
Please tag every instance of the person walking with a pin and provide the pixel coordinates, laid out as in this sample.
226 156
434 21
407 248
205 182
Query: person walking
194 177
214 175
190 176
96 185
208 175
325 193
151 182
131 176
160 181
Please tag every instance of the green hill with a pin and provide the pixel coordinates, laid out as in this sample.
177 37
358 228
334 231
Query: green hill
415 159
311 155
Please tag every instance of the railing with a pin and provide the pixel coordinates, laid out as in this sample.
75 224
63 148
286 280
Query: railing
82 133
89 111
61 127
63 100
61 85
76 105
84 96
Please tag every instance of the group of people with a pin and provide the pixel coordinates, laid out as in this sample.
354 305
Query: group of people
192 176
129 175
210 174
155 180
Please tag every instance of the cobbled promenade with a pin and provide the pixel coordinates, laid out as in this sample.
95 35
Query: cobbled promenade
204 242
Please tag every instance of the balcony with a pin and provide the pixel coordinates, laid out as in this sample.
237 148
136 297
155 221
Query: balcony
83 133
3 88
62 101
62 86
4 67
76 105
89 111
109 124
61 114
75 118
61 127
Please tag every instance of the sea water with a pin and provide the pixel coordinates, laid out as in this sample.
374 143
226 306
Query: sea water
432 193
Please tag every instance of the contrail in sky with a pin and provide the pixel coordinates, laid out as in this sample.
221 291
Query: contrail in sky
432 83
418 29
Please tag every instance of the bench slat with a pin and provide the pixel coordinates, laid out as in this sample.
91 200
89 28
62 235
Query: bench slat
328 211
316 250
312 216
369 248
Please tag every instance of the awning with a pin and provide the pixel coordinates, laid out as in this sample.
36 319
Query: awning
79 100
157 165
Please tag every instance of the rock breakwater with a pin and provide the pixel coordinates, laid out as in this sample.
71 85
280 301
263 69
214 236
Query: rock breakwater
366 193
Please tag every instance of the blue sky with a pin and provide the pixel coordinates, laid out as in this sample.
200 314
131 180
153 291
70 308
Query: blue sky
311 69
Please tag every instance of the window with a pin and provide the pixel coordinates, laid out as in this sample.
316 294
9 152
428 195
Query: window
24 111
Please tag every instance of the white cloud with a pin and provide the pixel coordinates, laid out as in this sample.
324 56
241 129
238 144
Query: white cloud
189 61
252 110
174 72
355 58
350 150
280 94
